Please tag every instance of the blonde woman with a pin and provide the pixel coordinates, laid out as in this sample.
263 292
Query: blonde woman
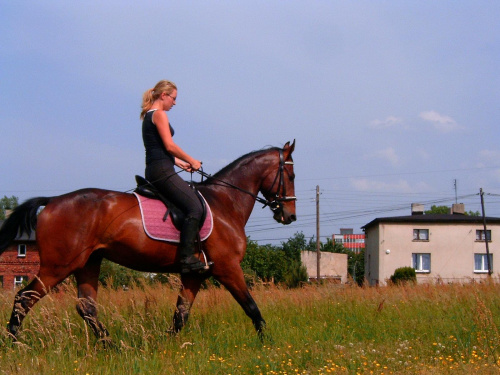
162 153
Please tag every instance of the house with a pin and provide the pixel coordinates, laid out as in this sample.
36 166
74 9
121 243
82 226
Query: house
19 263
440 247
350 240
333 266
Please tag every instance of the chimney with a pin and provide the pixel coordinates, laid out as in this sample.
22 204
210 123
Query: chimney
417 209
457 209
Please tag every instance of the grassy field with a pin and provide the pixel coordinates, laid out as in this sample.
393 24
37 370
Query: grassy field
417 329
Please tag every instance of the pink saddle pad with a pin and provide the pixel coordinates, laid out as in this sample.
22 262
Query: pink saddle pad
153 211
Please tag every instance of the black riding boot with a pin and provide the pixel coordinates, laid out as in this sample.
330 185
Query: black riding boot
189 233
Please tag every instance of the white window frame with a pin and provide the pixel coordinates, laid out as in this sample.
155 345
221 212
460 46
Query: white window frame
484 264
417 234
19 280
480 235
22 249
417 260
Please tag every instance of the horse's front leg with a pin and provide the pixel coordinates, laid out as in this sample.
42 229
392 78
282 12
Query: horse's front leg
233 279
190 286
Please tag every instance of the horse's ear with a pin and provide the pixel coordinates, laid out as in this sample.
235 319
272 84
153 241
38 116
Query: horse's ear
289 148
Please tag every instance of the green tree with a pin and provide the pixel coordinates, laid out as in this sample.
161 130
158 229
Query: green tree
267 262
331 247
356 266
296 275
294 246
7 203
446 210
438 210
276 264
115 276
472 213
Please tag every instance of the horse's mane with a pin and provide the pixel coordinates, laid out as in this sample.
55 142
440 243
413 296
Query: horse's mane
241 161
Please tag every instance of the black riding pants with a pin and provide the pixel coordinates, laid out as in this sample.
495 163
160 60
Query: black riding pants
162 175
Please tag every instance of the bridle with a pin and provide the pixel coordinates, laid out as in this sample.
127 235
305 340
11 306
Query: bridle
274 204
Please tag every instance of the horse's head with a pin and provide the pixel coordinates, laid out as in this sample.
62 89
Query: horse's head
278 186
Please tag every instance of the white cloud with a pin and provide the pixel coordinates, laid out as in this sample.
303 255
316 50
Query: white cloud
389 122
424 155
388 154
442 123
488 159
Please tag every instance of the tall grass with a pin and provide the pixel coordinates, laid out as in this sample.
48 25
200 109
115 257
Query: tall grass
413 329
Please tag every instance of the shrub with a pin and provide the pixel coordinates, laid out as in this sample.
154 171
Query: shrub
296 275
403 275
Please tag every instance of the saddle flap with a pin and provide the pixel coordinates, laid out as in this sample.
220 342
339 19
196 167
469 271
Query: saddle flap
157 229
148 190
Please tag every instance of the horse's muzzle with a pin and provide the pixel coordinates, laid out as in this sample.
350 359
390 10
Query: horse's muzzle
283 217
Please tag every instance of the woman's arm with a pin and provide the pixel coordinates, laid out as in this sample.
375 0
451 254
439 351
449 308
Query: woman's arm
160 119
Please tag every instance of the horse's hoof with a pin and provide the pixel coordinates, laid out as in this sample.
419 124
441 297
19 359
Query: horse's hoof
108 344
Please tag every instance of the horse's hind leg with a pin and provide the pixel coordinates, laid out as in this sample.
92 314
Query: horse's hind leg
27 297
190 287
87 281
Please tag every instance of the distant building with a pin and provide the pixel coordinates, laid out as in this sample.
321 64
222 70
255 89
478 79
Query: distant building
19 263
333 266
351 241
440 247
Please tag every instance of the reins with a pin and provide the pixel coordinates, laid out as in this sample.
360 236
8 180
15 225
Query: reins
264 201
273 204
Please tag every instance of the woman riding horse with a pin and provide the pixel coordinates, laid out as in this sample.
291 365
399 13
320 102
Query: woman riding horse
162 153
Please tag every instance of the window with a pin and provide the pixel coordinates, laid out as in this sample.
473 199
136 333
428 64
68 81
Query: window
480 235
420 234
21 250
481 264
20 280
421 262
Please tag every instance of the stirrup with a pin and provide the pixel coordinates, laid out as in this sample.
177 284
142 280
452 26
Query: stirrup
193 264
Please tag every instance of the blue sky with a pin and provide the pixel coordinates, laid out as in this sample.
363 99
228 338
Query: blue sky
390 102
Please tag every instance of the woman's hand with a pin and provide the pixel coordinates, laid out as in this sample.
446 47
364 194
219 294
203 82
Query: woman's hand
189 167
195 165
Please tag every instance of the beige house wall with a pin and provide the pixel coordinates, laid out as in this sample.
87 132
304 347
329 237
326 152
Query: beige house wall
452 248
332 265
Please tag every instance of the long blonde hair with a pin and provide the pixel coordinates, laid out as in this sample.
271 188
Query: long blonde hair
151 95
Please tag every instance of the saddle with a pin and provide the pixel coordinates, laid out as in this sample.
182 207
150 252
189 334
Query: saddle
148 190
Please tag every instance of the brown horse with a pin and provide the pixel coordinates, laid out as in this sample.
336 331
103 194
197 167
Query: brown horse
76 231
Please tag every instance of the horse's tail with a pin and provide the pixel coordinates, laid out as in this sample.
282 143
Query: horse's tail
21 220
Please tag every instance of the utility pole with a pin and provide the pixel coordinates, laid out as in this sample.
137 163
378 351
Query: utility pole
318 253
481 193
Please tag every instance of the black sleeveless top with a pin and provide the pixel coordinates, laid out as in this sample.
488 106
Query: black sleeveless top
155 149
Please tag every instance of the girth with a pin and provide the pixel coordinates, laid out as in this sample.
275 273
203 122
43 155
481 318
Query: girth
148 190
